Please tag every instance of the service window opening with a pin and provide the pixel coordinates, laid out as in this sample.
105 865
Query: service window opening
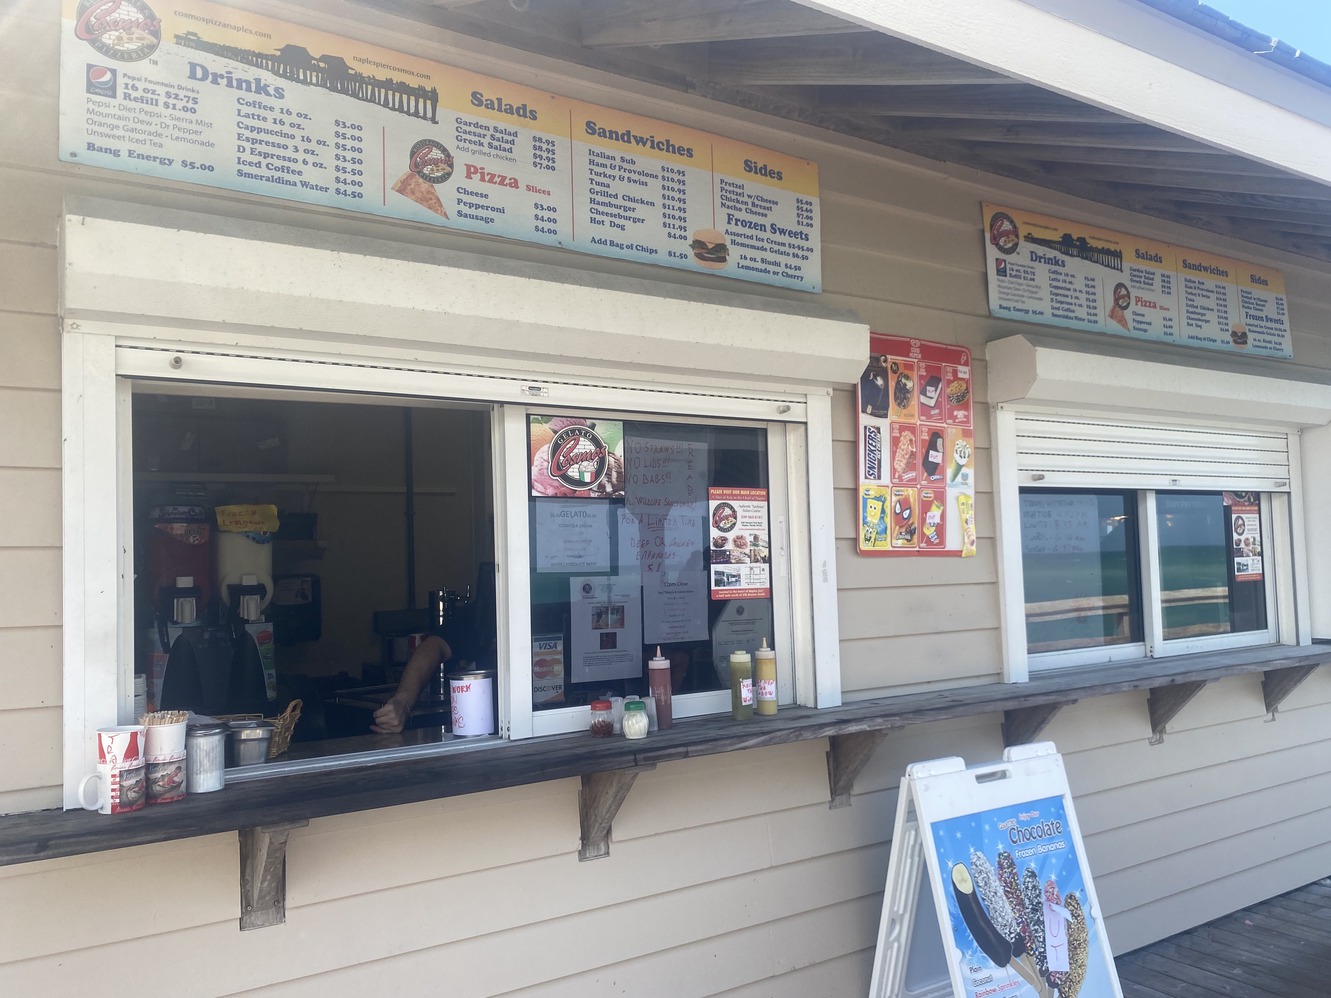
295 549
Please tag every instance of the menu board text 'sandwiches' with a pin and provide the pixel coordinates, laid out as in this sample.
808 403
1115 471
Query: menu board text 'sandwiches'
916 449
205 94
1061 273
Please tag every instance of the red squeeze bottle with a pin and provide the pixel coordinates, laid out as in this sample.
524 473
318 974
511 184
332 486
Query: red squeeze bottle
658 677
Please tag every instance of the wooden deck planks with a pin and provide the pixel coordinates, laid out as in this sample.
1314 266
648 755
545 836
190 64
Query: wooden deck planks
1280 947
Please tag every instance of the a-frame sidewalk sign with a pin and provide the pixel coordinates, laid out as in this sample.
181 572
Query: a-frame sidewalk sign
1003 855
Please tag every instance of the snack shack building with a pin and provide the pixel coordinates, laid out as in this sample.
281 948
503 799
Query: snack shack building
976 364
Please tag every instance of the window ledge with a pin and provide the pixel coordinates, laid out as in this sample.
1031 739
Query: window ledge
855 729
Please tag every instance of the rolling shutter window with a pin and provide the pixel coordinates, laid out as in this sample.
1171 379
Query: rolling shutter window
1082 452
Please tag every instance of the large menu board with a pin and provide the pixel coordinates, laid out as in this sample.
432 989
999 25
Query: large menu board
916 449
206 94
1050 270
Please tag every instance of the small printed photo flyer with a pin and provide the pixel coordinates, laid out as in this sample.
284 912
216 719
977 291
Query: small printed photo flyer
740 555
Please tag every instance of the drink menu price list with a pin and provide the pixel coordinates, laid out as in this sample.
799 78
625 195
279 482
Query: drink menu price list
221 97
1064 273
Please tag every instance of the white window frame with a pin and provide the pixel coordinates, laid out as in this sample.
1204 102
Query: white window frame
1277 577
1040 374
218 301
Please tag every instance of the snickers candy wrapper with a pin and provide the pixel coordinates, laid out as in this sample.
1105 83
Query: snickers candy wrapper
873 453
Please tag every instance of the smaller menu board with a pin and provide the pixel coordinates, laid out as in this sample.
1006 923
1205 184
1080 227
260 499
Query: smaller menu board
740 543
916 449
1061 273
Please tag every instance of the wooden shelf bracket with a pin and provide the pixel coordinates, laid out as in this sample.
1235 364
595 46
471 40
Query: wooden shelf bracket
846 756
1279 683
1024 724
263 874
1165 702
598 803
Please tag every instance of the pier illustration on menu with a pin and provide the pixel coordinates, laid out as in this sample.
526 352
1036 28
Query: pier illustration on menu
329 72
1081 249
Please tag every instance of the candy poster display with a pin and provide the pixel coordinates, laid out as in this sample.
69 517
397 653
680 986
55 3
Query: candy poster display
205 94
1022 921
916 449
1062 273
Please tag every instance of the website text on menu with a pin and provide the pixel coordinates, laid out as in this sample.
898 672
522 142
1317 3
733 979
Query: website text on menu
205 94
1062 273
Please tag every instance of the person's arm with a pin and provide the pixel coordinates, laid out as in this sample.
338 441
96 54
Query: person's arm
425 660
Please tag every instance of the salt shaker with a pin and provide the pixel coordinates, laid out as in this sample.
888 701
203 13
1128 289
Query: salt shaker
635 719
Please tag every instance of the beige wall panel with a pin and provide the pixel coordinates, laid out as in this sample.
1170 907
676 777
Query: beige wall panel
38 445
33 799
29 352
909 184
872 275
1186 828
477 912
862 224
30 740
70 905
29 587
722 788
792 947
1159 878
31 497
877 667
939 611
847 975
1211 749
1133 803
30 666
328 863
27 278
1130 929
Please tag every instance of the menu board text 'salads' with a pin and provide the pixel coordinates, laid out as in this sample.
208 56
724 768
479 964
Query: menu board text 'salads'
205 94
916 449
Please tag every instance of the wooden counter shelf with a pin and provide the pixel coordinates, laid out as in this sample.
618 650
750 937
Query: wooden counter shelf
265 810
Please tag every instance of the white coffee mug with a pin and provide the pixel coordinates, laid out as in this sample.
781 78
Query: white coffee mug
118 789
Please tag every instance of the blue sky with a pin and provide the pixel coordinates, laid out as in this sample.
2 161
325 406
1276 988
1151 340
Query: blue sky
1304 24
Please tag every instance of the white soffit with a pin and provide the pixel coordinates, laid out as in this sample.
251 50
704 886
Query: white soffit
1020 40
219 274
1025 370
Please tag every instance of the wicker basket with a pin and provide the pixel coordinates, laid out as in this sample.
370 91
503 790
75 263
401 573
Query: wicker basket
284 724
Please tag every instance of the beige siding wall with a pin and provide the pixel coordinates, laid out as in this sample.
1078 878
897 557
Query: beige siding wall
725 871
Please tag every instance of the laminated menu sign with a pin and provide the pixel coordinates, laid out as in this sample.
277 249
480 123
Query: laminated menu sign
916 449
201 93
740 543
1062 273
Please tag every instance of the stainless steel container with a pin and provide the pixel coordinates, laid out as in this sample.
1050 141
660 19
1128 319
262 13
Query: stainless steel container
205 757
247 742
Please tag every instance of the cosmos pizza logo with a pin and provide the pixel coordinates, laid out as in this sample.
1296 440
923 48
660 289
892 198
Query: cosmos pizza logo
579 457
123 30
1003 234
